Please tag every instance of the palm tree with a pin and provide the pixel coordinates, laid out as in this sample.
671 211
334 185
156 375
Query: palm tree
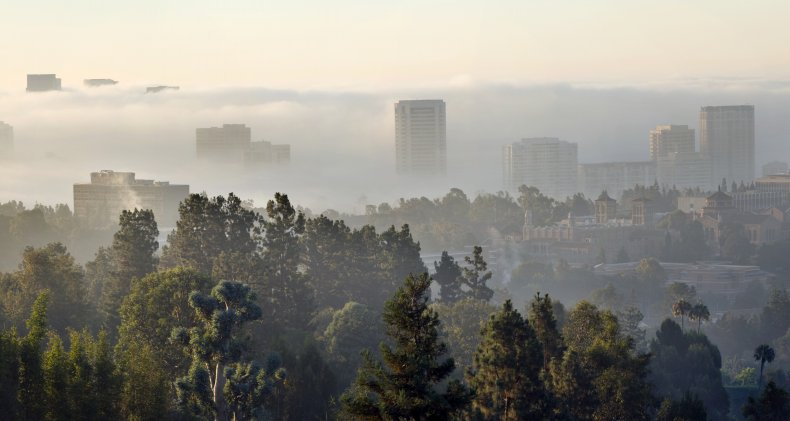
700 313
681 308
765 354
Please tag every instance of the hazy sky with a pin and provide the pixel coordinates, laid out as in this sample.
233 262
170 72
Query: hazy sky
364 44
323 75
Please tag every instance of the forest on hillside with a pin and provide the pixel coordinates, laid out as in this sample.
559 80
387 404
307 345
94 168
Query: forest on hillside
276 313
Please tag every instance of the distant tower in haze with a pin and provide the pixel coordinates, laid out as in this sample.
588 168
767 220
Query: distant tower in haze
229 143
43 83
421 137
774 167
547 163
665 140
727 139
6 140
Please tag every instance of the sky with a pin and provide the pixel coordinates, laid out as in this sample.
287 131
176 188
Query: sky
322 76
359 44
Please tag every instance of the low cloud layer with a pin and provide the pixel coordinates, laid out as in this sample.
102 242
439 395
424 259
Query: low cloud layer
342 142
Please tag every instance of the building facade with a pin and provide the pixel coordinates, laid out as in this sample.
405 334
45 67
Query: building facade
775 167
668 139
100 202
229 143
615 177
547 163
727 139
687 170
43 83
265 153
421 137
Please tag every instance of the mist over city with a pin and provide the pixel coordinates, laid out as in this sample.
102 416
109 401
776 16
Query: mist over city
350 210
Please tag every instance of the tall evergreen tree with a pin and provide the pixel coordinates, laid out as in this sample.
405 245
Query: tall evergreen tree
448 276
772 405
132 252
405 384
543 321
506 371
476 276
285 286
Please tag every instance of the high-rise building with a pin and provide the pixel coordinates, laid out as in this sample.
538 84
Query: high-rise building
668 139
43 83
547 163
684 170
100 202
421 137
727 139
95 83
6 140
615 177
229 143
265 153
774 167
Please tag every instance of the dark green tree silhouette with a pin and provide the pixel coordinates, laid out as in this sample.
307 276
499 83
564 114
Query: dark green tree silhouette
476 275
405 385
764 354
772 405
448 276
506 373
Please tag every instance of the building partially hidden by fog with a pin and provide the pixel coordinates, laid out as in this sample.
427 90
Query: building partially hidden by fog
6 140
547 163
421 137
775 167
43 83
95 83
160 88
232 144
727 139
99 203
615 177
669 139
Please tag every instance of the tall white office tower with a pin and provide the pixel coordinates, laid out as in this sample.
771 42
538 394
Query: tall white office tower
421 137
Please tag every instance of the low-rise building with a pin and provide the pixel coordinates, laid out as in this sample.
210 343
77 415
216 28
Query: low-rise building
100 202
43 83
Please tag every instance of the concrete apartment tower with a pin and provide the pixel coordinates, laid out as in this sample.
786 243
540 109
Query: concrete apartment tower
229 143
727 139
547 163
421 137
43 83
668 139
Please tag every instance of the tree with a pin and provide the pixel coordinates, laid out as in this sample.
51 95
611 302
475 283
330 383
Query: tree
690 408
543 321
764 354
460 328
285 287
630 319
773 405
214 345
132 252
476 275
700 313
681 308
506 371
404 384
448 276
353 328
207 227
31 392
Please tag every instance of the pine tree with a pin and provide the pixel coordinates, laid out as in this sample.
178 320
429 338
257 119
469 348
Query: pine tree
506 372
476 275
405 384
543 321
132 252
448 276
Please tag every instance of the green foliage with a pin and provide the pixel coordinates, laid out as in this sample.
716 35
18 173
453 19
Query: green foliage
460 328
772 405
132 254
543 321
214 343
764 354
404 385
687 361
448 276
690 408
208 227
353 328
506 374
